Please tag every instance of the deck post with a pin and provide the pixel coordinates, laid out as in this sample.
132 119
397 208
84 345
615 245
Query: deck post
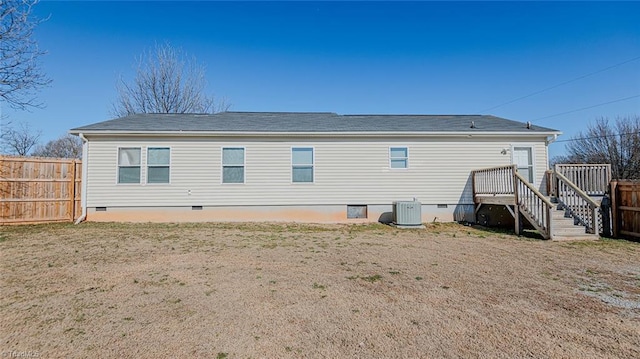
550 188
613 192
549 222
516 219
473 185
516 206
473 192
596 229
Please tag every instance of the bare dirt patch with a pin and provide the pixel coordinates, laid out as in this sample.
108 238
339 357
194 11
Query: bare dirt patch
284 290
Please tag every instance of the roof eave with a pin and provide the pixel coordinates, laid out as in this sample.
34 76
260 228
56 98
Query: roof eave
316 134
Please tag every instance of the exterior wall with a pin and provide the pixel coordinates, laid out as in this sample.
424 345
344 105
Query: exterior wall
353 171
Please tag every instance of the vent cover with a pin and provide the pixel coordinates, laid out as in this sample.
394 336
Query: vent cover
407 213
356 211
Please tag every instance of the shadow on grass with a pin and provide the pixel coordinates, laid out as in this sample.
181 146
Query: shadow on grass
526 234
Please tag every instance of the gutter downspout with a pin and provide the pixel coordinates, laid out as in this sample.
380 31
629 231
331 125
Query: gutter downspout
83 200
552 139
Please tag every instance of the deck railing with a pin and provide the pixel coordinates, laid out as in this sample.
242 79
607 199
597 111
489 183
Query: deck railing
506 180
493 181
592 179
533 205
581 207
572 184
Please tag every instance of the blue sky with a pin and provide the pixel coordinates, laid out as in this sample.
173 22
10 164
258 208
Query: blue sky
353 57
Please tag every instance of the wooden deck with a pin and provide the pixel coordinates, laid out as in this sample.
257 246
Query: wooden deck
506 200
505 186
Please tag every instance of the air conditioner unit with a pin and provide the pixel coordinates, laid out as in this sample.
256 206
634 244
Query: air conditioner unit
407 213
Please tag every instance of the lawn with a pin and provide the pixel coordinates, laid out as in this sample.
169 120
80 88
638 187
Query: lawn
110 290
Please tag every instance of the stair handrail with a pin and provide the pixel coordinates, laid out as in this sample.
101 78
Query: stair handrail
536 207
589 218
533 189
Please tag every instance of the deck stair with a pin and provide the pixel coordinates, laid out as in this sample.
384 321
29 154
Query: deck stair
571 213
565 227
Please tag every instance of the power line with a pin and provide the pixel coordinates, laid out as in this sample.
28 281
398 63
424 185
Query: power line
562 84
600 136
586 108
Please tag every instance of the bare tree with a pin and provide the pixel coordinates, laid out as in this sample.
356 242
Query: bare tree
166 82
604 142
19 141
66 146
5 125
20 74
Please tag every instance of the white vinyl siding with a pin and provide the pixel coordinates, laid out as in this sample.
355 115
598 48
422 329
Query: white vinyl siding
158 164
398 157
233 165
302 165
345 171
129 165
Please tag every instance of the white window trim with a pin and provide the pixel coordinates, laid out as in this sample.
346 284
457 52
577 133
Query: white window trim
313 164
533 157
408 155
146 175
118 166
244 166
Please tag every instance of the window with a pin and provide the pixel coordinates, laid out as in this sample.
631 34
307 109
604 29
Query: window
129 165
523 159
233 165
301 164
158 160
398 157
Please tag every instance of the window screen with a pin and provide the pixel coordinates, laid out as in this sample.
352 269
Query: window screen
158 162
302 164
232 165
129 165
398 157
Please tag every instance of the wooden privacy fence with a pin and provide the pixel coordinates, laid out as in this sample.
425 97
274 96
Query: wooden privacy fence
625 208
36 190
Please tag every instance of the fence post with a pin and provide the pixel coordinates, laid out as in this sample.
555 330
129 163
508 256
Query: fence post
72 190
4 192
614 209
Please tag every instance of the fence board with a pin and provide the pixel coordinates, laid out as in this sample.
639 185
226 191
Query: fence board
36 190
626 208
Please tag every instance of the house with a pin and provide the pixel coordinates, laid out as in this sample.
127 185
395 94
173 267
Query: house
306 167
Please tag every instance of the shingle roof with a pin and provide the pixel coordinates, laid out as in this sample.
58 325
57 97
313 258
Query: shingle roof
308 122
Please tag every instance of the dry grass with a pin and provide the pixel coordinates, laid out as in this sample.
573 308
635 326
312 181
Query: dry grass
267 291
